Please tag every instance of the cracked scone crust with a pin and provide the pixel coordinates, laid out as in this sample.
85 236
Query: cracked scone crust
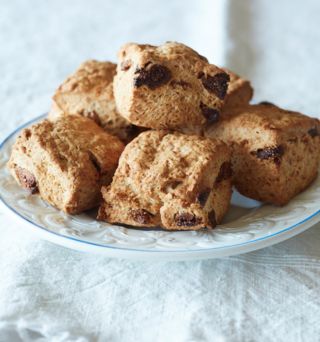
66 161
275 152
168 87
89 92
239 92
170 180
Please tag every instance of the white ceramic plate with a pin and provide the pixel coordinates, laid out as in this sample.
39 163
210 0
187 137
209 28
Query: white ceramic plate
248 226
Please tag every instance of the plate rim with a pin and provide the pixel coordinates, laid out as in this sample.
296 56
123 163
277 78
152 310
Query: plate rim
251 244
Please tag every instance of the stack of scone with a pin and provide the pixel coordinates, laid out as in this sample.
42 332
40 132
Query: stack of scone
190 134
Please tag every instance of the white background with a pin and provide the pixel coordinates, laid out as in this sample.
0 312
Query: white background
269 295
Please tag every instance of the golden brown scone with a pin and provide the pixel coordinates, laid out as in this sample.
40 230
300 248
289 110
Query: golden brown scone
168 87
275 152
170 180
66 161
239 92
89 92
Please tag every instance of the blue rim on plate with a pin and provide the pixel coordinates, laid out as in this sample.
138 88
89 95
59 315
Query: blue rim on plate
85 242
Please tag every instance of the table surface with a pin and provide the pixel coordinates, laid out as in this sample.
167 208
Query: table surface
49 291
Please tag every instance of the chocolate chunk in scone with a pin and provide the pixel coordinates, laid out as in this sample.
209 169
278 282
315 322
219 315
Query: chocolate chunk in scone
89 92
170 86
66 161
170 180
152 76
275 152
26 179
217 84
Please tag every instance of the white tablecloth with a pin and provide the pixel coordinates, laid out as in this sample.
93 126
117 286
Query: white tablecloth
48 293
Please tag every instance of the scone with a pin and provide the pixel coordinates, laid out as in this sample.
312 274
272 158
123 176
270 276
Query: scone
275 152
239 92
168 87
89 92
66 161
170 180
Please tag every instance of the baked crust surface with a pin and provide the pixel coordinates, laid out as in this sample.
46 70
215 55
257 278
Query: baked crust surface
168 87
275 152
171 180
89 92
66 161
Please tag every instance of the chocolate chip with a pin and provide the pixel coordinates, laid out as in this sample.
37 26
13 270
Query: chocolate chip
152 76
212 115
269 152
141 216
94 116
27 179
266 103
186 219
125 65
203 196
212 218
217 84
313 132
225 172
